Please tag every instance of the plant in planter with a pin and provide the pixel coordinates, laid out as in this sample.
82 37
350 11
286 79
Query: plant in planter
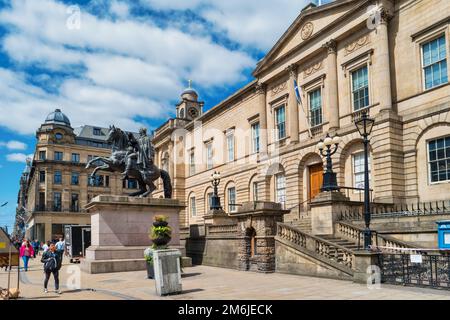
160 234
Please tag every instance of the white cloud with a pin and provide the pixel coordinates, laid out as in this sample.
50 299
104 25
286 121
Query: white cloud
13 145
253 23
18 157
120 69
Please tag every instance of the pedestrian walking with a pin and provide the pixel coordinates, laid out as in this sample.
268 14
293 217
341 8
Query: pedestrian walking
45 246
51 266
35 245
60 247
26 252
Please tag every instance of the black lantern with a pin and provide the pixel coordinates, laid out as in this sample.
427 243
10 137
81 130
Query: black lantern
365 126
215 199
329 177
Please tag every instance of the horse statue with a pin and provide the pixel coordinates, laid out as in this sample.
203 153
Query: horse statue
123 159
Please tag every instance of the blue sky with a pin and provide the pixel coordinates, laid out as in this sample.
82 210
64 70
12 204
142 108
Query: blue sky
125 64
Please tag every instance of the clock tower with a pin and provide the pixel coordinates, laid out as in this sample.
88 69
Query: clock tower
189 107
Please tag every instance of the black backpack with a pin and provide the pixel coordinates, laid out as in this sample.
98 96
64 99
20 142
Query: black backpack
50 264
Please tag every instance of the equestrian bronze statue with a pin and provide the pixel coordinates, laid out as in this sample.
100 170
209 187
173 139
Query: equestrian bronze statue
134 158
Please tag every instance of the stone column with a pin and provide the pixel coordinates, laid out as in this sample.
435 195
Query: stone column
292 108
383 79
48 231
332 86
261 93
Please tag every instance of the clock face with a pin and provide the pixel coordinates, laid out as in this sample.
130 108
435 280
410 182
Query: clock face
193 112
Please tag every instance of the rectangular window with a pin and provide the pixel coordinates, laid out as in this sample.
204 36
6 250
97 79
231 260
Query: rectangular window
41 206
209 156
360 88
41 176
107 181
193 207
42 155
255 137
97 132
231 199
439 159
59 156
192 163
315 107
434 60
132 184
75 178
74 203
280 122
57 177
280 189
230 146
358 170
255 191
57 203
75 157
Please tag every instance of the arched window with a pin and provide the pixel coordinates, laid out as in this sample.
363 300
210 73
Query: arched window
182 113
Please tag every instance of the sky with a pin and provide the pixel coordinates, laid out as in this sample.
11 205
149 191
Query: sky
121 62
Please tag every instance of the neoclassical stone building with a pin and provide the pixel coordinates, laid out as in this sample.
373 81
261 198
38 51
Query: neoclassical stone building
386 57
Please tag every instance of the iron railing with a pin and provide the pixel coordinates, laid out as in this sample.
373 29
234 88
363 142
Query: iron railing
400 269
380 210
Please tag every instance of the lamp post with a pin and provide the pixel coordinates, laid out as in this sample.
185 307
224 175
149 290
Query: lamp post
365 125
215 200
329 177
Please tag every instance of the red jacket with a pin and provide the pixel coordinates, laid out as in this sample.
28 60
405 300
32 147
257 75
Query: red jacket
22 251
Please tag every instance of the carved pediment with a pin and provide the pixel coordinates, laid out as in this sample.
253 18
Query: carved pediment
306 27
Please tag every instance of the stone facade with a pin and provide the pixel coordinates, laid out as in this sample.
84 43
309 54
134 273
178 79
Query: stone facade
321 50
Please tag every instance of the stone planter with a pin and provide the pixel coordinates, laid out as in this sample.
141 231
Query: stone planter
161 241
150 271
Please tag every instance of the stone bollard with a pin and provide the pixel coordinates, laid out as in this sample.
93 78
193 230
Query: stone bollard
167 271
366 266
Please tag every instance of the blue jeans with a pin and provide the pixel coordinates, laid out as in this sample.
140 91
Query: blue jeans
25 262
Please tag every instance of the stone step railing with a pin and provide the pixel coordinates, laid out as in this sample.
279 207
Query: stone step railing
356 234
321 247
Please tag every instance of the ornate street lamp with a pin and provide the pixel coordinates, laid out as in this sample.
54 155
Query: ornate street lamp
215 199
329 177
365 126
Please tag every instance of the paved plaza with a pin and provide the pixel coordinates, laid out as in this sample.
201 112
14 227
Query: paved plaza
202 283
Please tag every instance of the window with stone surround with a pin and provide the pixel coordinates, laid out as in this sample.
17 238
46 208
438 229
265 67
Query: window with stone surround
209 155
192 163
57 201
231 199
280 122
193 207
434 62
439 159
255 190
358 170
360 88
57 177
230 146
315 107
255 137
75 178
280 189
209 197
59 156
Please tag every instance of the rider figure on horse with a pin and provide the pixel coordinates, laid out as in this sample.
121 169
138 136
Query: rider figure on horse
141 151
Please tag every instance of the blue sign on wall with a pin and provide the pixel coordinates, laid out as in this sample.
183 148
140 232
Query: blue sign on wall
443 234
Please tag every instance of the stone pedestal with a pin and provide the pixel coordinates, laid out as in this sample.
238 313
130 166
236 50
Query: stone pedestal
257 227
366 268
218 217
325 209
167 271
120 228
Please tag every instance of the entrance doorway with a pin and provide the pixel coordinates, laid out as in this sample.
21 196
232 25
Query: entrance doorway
315 179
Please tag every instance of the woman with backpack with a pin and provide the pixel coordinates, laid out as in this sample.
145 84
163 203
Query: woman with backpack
50 259
26 252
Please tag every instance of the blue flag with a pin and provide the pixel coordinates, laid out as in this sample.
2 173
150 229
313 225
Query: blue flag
297 92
